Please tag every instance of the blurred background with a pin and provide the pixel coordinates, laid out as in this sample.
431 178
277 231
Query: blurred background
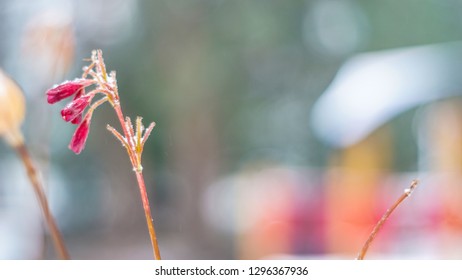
285 129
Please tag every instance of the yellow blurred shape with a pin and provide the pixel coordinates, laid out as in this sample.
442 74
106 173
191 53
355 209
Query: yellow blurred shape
12 109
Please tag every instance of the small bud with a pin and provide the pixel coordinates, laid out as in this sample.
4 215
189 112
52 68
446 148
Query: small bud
79 93
79 138
12 109
74 109
66 89
77 120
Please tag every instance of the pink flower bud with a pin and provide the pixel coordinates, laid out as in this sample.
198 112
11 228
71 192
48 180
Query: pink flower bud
79 93
74 109
66 89
77 120
80 136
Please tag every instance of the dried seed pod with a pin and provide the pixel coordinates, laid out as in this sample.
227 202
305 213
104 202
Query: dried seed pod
12 110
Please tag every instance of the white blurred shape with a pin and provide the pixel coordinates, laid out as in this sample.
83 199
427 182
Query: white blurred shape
337 27
372 88
20 217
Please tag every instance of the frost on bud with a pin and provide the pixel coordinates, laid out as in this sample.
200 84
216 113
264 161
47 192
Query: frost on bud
12 109
66 89
80 136
73 111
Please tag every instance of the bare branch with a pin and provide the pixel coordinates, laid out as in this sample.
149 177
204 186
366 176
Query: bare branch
378 226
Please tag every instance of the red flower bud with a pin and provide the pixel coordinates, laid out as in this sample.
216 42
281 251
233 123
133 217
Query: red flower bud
74 109
77 120
66 89
80 136
79 93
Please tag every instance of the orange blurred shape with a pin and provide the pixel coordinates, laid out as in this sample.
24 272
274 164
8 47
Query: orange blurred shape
269 196
356 174
271 232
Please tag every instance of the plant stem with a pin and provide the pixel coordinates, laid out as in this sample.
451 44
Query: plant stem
141 185
37 186
147 213
378 226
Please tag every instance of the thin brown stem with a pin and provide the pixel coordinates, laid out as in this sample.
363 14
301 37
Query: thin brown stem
37 186
378 226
